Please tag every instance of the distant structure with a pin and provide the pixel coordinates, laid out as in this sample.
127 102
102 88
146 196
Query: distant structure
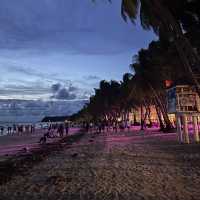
56 119
184 102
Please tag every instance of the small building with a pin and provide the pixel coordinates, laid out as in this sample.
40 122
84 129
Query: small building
184 102
183 99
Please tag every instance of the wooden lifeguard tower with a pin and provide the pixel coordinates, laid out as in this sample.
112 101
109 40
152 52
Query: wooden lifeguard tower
184 102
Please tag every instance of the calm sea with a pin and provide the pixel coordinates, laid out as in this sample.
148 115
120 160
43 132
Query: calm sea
5 125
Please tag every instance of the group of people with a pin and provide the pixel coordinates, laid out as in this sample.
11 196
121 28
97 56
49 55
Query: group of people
17 129
105 126
55 130
60 129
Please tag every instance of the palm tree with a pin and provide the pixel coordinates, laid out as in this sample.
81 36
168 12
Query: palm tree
159 15
153 62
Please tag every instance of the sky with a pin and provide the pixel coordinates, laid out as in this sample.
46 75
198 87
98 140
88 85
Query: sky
61 49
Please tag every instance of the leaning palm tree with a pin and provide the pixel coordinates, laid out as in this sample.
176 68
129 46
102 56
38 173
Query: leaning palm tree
157 14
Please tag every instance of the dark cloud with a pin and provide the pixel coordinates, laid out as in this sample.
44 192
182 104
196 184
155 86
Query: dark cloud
61 92
64 94
78 26
73 88
56 87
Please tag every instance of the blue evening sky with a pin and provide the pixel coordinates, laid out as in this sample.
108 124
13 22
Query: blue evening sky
61 49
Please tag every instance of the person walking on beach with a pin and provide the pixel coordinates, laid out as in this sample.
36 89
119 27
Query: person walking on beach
14 129
20 129
128 125
2 129
9 130
67 128
87 127
99 127
32 128
61 130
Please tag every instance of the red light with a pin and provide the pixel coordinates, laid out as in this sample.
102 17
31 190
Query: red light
168 83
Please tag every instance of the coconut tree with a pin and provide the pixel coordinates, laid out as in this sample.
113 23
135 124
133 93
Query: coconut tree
137 95
127 99
153 62
161 15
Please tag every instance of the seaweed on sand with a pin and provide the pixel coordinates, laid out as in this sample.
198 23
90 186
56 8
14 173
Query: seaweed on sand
21 164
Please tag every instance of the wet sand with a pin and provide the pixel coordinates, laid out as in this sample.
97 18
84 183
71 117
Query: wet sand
123 166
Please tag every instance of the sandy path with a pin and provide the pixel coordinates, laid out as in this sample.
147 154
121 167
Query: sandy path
153 167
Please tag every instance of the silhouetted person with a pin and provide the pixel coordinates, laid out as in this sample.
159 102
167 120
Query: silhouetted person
32 129
99 127
87 127
67 128
43 139
9 130
2 129
14 129
61 130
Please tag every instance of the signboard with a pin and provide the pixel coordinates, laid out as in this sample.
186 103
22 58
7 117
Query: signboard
187 100
182 98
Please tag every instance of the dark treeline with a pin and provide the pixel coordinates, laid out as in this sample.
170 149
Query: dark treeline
174 57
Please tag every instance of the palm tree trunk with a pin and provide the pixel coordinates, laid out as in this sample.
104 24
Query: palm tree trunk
162 127
143 117
149 116
168 123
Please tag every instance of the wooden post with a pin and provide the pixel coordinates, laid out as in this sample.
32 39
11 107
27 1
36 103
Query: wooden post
195 127
185 129
179 130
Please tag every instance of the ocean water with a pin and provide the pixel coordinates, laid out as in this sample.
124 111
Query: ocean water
5 125
13 110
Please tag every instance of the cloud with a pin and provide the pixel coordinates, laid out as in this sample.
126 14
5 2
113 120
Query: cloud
63 42
56 87
31 72
76 26
61 92
32 88
21 84
92 78
64 94
73 88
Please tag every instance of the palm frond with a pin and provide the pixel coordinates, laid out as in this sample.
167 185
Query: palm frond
129 9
